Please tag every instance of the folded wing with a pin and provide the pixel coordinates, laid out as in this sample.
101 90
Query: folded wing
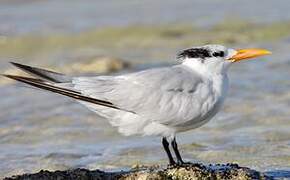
165 95
162 95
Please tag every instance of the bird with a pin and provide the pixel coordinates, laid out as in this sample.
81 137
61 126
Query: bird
160 101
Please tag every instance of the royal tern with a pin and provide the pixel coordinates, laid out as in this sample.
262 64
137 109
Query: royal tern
158 101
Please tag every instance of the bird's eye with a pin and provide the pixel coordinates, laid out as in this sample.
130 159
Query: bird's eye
219 54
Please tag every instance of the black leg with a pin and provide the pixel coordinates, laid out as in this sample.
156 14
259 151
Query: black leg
176 151
167 150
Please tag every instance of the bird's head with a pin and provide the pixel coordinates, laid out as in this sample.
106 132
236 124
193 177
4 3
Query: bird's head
216 58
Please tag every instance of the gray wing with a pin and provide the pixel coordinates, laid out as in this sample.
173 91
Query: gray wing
162 94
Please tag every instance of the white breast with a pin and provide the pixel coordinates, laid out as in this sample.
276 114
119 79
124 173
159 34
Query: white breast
212 95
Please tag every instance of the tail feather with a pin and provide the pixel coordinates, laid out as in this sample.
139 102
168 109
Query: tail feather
59 90
43 73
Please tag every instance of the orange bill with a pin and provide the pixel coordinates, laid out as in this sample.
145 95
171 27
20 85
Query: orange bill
249 53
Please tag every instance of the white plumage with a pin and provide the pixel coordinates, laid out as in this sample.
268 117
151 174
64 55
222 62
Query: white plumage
159 101
165 100
173 99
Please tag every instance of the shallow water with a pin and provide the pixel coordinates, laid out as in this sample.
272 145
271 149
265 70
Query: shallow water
43 131
39 130
45 16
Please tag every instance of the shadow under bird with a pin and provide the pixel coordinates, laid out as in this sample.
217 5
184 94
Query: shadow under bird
158 101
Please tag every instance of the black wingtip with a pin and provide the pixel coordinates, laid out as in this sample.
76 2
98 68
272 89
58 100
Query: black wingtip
14 63
17 64
44 74
8 76
17 78
32 69
21 78
21 66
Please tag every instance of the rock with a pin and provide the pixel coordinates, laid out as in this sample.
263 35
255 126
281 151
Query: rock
102 64
186 172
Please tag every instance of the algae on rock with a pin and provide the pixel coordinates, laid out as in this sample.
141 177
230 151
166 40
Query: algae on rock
188 172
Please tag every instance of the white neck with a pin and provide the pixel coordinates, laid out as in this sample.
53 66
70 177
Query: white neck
195 65
216 74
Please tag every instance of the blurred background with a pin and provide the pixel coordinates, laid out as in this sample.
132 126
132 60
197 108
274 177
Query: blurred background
39 130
